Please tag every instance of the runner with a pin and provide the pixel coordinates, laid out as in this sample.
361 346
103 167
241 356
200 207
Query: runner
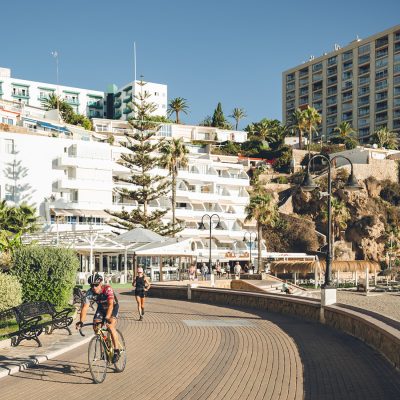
141 285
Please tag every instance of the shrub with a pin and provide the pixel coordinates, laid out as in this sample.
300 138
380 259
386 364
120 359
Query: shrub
46 273
11 291
281 179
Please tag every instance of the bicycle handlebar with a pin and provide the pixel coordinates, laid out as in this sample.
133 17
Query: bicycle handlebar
87 324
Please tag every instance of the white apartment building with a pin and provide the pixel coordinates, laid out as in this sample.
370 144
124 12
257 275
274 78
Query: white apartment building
358 83
22 91
69 178
122 99
187 132
114 103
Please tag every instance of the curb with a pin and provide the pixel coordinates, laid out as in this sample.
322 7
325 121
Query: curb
13 369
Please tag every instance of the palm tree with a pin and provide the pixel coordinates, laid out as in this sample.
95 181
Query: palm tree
386 138
340 215
238 114
346 134
174 155
298 125
311 120
263 209
176 106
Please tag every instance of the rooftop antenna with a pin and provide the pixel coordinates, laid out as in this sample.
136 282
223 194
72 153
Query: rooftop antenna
134 58
55 55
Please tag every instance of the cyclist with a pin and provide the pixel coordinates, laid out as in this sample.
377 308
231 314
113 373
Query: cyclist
107 309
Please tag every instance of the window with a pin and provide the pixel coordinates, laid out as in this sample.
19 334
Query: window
303 91
381 74
381 117
382 41
331 71
290 77
317 86
303 81
382 52
331 120
290 86
317 67
7 121
316 77
303 72
383 62
363 111
396 68
331 100
347 85
347 96
317 105
331 90
347 75
362 101
363 70
396 102
363 132
381 84
380 96
363 122
396 91
347 56
347 106
381 106
331 110
348 64
396 47
363 59
332 80
364 49
9 146
332 60
347 116
303 100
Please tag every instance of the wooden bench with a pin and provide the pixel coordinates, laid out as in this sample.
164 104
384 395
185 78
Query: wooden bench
31 322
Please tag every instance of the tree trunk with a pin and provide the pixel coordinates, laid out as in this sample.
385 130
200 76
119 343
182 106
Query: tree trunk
259 229
300 140
173 196
177 117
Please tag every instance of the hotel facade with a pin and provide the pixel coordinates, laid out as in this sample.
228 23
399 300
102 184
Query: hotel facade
358 84
70 174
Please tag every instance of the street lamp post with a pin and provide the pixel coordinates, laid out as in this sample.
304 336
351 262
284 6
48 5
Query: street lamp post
329 292
251 242
212 218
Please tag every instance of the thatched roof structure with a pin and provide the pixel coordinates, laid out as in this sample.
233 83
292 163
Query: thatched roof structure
304 267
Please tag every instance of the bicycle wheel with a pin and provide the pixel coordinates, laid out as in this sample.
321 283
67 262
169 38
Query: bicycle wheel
121 363
97 358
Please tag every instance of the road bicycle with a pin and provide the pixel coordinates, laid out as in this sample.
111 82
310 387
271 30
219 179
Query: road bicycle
101 352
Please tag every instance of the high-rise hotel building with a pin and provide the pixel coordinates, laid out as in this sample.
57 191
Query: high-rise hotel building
359 84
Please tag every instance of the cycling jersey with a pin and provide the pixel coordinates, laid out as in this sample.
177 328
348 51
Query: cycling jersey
103 298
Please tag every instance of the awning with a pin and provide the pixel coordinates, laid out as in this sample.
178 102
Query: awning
61 212
51 126
79 213
225 239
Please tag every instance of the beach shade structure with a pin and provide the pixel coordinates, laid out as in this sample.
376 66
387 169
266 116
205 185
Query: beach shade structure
140 235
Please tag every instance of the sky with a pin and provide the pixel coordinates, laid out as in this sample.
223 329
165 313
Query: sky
206 51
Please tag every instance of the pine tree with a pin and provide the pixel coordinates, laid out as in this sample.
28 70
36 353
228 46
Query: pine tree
141 162
218 119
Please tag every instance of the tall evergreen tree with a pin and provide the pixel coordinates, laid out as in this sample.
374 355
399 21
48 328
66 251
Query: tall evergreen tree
142 160
218 119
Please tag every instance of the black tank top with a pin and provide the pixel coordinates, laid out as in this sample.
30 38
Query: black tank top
140 284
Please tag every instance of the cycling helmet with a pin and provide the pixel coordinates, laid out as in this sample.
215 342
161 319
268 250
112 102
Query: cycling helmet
95 278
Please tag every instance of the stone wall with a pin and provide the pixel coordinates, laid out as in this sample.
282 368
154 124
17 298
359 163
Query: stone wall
376 334
379 169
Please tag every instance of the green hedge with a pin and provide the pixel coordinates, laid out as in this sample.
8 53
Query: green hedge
46 273
11 291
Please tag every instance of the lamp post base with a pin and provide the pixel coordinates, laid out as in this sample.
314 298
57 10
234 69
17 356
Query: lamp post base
212 279
328 296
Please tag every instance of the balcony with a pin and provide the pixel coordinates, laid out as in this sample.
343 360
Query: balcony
127 99
117 104
97 105
67 184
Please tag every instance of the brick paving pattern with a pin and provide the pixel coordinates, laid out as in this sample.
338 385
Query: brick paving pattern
182 351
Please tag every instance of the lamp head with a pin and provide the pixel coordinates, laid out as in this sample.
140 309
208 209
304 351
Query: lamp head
352 184
218 226
202 227
308 184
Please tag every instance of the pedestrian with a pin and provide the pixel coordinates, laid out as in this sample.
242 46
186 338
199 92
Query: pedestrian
204 271
246 268
218 269
141 285
192 272
237 269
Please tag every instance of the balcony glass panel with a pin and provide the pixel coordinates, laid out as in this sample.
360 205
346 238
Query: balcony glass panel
331 90
381 52
381 63
396 69
331 100
303 100
317 96
347 75
303 81
396 102
363 70
348 64
381 96
347 115
347 85
382 41
364 49
347 56
316 77
290 77
381 117
363 122
303 91
381 74
331 110
396 91
364 80
362 101
396 47
290 86
303 72
363 132
381 84
363 59
317 67
331 120
332 60
381 106
331 71
347 96
347 106
363 111
332 80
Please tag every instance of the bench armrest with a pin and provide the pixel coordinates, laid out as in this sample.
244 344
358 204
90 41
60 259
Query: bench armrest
28 322
63 313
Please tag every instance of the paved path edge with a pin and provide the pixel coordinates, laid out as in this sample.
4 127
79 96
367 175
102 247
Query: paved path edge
13 369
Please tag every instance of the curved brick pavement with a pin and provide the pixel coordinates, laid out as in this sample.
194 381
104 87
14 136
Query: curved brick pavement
193 351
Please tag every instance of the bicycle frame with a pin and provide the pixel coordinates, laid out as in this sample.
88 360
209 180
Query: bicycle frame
106 339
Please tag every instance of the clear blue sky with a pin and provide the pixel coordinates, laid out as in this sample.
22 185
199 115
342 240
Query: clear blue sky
205 51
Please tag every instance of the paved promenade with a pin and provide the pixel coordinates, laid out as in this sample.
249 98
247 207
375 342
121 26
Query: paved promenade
186 350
